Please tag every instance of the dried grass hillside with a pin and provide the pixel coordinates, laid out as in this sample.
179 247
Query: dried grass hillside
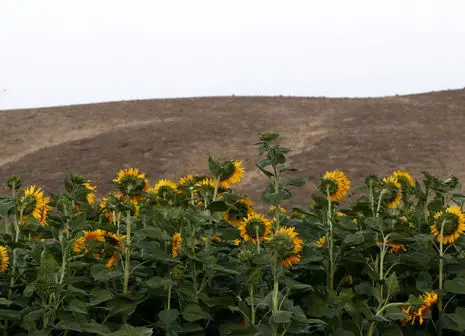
170 137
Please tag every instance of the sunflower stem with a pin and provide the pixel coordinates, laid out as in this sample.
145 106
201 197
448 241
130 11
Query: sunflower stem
371 330
170 287
215 192
17 224
252 304
330 241
258 239
372 198
379 201
275 298
192 196
441 273
128 254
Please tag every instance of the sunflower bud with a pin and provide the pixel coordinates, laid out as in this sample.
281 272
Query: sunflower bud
245 256
372 180
14 182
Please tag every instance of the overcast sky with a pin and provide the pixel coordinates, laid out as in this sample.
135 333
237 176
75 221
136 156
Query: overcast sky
59 52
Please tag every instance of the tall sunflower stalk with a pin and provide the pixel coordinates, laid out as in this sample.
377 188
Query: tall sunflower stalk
127 261
329 223
334 185
447 227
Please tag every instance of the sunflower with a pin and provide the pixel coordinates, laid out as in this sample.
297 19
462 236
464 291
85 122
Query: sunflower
187 181
231 174
90 197
320 242
34 203
337 183
131 182
392 248
109 208
80 243
393 189
287 245
117 241
454 224
242 208
429 299
277 211
254 227
4 259
204 189
176 244
165 190
404 178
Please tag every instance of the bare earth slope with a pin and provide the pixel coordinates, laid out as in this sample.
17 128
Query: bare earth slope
170 137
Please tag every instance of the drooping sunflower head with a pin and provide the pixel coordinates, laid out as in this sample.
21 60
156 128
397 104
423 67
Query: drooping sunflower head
4 259
391 247
131 182
453 220
176 244
392 190
320 242
418 314
164 190
336 183
287 245
33 203
231 173
241 209
86 242
255 227
277 211
114 244
111 206
187 181
205 189
404 178
90 197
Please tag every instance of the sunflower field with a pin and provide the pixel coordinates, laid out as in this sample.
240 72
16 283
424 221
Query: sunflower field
195 257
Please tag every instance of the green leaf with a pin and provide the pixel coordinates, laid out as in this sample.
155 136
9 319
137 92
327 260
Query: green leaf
5 302
187 293
77 306
342 332
129 330
6 203
101 273
424 281
214 166
298 182
168 316
281 316
353 239
392 284
157 282
192 312
222 269
217 206
264 171
456 286
100 295
83 327
9 314
453 322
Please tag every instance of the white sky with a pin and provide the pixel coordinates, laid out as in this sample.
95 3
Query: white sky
59 52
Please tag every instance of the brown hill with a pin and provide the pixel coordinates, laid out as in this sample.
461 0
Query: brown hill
170 137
